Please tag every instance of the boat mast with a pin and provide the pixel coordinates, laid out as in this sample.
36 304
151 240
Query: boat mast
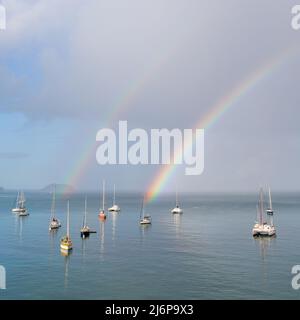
271 208
103 197
177 204
22 200
261 206
271 220
85 211
142 209
114 195
53 202
18 200
68 220
270 199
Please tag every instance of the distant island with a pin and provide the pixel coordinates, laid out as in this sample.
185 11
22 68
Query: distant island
60 188
1 189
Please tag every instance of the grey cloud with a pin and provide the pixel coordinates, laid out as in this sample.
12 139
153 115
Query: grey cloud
179 58
106 47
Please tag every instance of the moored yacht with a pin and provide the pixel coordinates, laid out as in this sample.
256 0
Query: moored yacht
144 219
177 209
54 222
20 208
85 230
115 207
66 244
263 227
102 215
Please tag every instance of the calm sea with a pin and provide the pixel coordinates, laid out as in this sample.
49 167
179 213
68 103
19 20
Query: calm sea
206 253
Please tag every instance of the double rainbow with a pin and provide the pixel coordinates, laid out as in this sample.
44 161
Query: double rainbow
87 157
216 112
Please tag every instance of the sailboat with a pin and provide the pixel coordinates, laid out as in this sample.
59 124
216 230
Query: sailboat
54 222
20 208
102 214
85 230
66 244
115 207
144 219
263 227
177 209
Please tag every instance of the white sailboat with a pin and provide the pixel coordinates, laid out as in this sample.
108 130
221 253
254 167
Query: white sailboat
263 227
144 219
85 230
177 209
115 207
20 208
66 244
54 222
102 214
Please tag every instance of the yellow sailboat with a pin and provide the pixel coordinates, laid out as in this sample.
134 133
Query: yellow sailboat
66 244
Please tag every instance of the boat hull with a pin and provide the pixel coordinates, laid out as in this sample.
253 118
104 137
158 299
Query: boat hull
66 247
177 211
54 226
263 230
114 208
102 215
18 210
23 214
84 234
145 221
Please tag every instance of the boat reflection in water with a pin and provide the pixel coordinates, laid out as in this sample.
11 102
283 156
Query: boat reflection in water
114 223
19 227
66 266
177 220
144 229
83 246
265 245
102 237
53 236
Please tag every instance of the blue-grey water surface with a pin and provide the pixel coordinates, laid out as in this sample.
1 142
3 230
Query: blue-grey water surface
206 253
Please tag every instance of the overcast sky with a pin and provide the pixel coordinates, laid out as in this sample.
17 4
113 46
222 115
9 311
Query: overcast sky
66 66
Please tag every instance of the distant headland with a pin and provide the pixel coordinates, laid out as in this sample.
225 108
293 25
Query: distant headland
60 188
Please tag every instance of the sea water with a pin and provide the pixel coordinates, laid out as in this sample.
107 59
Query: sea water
208 252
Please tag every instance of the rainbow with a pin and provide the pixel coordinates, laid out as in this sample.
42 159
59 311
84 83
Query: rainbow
87 157
216 112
